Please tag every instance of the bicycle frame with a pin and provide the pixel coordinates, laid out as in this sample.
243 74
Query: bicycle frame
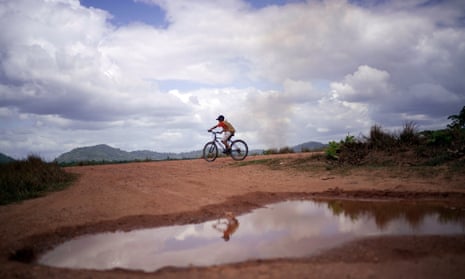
218 141
238 149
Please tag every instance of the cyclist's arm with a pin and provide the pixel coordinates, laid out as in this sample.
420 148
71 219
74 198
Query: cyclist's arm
216 126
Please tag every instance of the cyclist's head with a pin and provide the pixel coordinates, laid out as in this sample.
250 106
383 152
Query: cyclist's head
220 118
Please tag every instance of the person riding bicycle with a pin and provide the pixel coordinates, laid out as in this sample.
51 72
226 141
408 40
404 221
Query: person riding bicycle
231 226
228 131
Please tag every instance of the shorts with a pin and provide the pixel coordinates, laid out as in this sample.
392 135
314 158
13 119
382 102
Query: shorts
226 135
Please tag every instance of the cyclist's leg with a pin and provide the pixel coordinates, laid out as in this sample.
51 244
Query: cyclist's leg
226 136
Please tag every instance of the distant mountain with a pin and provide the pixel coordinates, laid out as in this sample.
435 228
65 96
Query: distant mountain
310 145
103 152
5 159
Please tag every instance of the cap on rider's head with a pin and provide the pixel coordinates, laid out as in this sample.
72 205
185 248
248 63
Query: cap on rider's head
220 118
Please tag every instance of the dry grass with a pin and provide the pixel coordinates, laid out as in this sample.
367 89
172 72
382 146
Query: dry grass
30 178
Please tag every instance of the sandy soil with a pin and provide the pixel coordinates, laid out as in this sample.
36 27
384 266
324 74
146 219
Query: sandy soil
128 196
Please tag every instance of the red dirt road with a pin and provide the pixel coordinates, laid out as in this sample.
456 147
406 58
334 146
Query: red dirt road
127 196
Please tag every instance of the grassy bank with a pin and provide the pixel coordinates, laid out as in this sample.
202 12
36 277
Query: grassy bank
30 178
404 152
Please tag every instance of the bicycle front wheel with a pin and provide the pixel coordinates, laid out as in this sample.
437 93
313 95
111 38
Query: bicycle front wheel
239 150
210 151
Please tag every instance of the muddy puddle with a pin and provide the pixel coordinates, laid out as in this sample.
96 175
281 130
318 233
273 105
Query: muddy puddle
280 230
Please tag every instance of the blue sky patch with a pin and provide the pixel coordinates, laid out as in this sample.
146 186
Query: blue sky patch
127 11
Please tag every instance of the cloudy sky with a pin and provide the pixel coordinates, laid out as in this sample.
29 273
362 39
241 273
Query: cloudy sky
155 74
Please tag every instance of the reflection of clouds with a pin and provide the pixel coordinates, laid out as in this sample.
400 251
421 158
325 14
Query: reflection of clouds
296 218
189 231
197 230
348 225
286 229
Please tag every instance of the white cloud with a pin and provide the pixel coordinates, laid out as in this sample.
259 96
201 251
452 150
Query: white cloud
365 85
283 74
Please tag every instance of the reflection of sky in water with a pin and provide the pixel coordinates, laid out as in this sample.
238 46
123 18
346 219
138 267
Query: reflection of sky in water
286 229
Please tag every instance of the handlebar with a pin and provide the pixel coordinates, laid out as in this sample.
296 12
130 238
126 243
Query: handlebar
215 132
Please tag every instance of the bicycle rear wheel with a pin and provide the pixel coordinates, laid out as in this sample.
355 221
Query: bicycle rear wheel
239 150
210 151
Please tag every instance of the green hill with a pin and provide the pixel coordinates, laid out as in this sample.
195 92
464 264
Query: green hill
103 152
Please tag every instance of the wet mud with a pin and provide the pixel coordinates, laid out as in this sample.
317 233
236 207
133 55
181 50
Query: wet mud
33 246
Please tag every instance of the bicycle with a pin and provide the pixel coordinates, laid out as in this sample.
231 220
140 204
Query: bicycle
238 148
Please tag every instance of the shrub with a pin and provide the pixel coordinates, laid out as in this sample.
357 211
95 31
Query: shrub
407 147
286 150
379 139
409 135
349 139
333 150
353 152
440 138
270 151
30 178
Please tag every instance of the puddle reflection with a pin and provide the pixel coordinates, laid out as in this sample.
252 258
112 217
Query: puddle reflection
285 229
228 226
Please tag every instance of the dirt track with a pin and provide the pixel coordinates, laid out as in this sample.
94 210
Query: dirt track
127 196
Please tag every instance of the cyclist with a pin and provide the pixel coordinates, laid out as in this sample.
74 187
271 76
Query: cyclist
228 131
231 226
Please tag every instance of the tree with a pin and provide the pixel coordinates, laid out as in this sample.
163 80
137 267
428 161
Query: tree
458 120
